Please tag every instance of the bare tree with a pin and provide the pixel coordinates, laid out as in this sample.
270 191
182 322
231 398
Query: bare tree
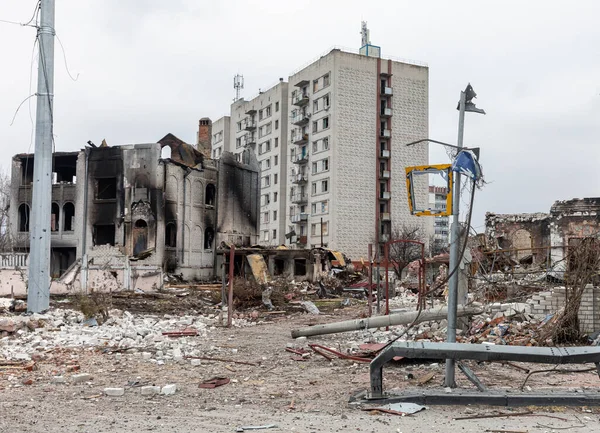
436 247
5 239
402 253
583 268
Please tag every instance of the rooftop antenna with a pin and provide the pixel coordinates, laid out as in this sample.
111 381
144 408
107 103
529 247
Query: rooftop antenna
238 84
364 34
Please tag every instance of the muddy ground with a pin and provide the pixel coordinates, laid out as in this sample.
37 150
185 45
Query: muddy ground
299 396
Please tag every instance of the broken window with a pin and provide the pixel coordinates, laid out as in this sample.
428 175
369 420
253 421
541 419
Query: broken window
26 171
279 266
24 218
171 235
54 217
106 188
104 234
69 217
209 236
299 267
210 195
140 237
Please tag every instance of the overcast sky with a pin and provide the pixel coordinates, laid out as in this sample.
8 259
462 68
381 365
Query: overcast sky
149 67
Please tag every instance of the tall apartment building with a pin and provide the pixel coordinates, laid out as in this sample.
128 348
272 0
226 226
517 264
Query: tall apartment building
331 149
350 116
261 123
220 137
441 233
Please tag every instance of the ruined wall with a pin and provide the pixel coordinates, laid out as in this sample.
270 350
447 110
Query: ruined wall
519 231
189 219
238 199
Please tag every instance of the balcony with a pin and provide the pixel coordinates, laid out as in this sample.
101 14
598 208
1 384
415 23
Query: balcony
386 112
299 198
385 154
302 83
299 178
387 91
250 111
384 174
300 138
300 99
386 133
300 119
385 195
385 216
300 159
299 218
249 140
250 125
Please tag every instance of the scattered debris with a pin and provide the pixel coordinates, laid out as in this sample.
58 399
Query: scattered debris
255 427
214 382
401 409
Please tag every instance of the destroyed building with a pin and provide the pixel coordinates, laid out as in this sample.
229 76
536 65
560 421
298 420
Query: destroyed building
543 238
139 210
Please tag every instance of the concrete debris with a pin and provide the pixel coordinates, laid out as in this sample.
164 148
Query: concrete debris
168 389
81 378
150 390
114 392
25 336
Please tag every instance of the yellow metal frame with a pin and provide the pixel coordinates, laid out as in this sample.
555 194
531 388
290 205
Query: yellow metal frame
422 169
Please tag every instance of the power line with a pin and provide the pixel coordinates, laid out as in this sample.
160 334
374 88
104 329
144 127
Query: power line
28 23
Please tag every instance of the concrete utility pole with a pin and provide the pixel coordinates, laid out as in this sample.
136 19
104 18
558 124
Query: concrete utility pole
38 285
454 250
465 104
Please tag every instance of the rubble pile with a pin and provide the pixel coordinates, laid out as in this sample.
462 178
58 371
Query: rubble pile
24 336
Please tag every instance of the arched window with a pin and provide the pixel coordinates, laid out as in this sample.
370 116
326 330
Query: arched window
140 237
69 217
171 235
209 236
209 197
24 218
54 222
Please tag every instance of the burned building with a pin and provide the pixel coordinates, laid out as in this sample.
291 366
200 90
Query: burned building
543 238
141 209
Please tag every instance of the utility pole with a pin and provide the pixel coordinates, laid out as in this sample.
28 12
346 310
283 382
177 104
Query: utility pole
38 285
464 105
454 251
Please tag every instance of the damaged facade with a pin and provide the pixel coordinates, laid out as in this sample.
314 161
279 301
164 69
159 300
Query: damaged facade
140 210
543 238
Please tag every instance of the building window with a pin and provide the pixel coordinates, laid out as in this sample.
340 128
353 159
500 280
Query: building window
24 218
277 124
266 235
314 167
325 80
274 197
325 122
104 234
276 160
140 236
238 142
267 163
313 229
266 181
324 206
265 218
324 228
315 85
314 188
277 106
326 143
260 115
274 234
274 215
171 235
325 164
239 126
275 176
276 141
315 126
209 196
326 101
209 236
268 128
106 188
315 106
69 217
268 111
55 217
324 186
315 146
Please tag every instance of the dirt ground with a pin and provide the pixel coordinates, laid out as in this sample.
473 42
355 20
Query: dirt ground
299 396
